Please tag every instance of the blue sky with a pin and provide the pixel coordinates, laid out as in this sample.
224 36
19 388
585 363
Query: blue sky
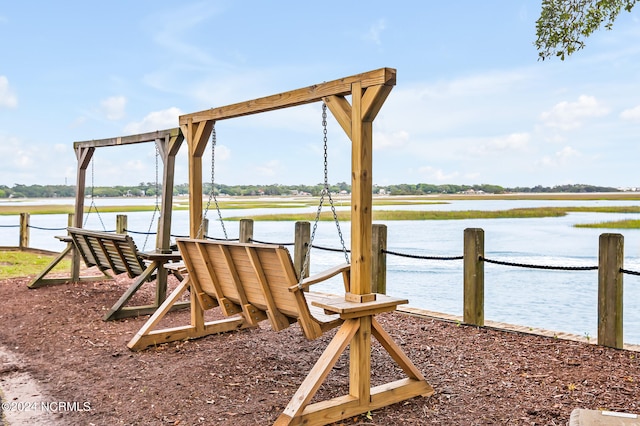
472 103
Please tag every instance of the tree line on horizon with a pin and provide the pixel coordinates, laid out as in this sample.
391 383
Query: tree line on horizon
151 189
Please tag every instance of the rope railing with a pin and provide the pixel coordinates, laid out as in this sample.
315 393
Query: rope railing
220 239
388 252
329 248
416 256
526 265
269 242
47 229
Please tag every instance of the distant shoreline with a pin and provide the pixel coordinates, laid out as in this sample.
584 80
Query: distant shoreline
32 206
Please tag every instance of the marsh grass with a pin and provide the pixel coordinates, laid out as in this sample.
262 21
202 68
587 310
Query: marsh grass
16 263
617 224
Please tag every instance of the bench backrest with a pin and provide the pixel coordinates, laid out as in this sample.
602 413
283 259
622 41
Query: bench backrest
252 276
107 251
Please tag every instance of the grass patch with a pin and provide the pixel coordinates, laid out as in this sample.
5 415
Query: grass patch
15 264
533 212
618 224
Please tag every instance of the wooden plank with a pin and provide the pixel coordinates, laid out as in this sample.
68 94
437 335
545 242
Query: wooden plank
395 351
127 266
310 327
306 95
347 309
372 100
360 361
169 149
128 140
342 407
127 295
228 308
252 314
341 110
361 196
277 319
320 370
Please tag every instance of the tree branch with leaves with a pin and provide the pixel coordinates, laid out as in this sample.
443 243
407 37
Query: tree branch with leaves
563 25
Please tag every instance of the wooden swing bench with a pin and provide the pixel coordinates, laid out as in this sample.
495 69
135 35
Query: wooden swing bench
118 253
255 282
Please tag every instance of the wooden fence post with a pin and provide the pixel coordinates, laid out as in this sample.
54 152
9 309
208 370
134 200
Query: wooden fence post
246 230
205 228
25 218
379 259
121 223
611 256
473 276
302 239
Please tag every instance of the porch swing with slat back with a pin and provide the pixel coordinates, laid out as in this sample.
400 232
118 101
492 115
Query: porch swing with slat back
258 281
118 253
245 294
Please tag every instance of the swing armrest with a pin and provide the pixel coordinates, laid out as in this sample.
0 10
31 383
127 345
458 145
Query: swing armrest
345 269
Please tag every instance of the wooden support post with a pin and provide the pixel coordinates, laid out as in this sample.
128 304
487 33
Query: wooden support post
379 259
302 239
168 148
24 230
611 255
121 224
246 230
205 227
473 276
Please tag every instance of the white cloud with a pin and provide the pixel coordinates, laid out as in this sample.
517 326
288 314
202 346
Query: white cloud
631 114
384 140
570 115
431 173
268 169
560 157
512 142
7 97
375 30
157 120
113 107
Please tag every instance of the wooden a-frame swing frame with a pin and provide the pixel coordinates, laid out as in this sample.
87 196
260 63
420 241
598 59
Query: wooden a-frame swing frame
368 93
168 143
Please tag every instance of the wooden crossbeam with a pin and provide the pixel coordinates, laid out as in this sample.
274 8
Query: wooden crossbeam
128 140
306 95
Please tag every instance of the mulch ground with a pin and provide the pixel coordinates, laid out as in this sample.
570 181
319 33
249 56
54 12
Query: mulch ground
481 376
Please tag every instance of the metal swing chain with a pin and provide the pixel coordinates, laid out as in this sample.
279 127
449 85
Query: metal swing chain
157 208
325 191
212 194
93 203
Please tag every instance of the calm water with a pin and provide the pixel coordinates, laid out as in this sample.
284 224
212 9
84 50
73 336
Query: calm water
556 300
